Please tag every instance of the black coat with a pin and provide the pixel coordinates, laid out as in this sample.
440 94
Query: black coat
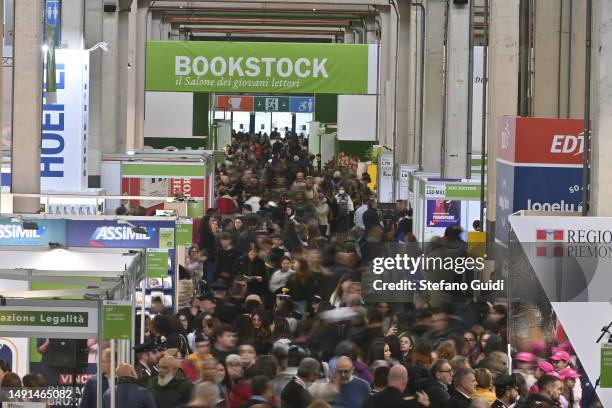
295 396
257 267
391 397
129 394
458 400
176 392
370 218
438 394
90 392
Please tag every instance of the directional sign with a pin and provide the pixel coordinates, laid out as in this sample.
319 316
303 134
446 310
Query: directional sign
53 18
271 104
302 104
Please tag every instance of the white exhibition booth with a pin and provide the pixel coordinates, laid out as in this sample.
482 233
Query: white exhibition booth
107 277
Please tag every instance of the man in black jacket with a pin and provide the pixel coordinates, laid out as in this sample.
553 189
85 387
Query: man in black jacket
128 392
170 388
370 216
436 386
296 393
506 391
393 395
465 386
548 397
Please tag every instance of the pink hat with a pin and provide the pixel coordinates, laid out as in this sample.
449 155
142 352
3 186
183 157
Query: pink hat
554 374
525 357
545 366
561 355
567 372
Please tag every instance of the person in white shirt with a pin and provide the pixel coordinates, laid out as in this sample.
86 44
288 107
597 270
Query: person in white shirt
358 219
281 276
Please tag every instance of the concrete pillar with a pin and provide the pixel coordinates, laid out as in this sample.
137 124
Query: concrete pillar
433 98
27 103
142 21
559 49
73 19
94 34
546 54
457 85
384 100
122 79
404 146
601 177
503 85
110 98
131 79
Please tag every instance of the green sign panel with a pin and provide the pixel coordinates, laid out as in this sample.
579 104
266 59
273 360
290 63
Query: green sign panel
462 191
605 379
226 66
166 238
184 233
163 170
41 318
157 263
117 321
272 104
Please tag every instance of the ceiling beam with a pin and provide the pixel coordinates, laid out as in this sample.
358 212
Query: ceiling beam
283 4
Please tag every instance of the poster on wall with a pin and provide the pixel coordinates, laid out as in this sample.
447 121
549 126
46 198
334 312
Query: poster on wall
443 213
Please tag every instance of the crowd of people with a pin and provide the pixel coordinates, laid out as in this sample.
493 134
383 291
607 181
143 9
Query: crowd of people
280 317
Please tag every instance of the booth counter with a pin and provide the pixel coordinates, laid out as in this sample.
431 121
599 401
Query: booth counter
163 173
441 203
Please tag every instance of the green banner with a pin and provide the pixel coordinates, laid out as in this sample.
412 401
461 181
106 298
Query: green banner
42 318
163 170
166 238
184 233
226 66
117 321
272 104
157 263
462 191
195 209
605 373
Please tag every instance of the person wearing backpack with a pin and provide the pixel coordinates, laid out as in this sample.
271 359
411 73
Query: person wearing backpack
345 208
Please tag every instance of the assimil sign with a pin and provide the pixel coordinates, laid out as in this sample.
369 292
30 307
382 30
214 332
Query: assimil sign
215 66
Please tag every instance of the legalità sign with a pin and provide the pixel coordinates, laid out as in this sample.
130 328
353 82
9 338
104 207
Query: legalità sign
205 66
30 321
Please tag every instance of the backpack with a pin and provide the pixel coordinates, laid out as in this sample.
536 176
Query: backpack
343 205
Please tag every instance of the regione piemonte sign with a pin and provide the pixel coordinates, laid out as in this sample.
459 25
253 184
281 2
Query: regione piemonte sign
211 66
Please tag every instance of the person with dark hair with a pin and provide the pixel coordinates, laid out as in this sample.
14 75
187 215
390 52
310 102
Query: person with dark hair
371 216
506 391
10 383
170 334
224 338
465 383
380 381
436 385
4 368
252 268
262 391
548 397
89 397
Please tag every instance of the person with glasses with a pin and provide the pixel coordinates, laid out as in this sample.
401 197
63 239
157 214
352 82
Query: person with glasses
353 390
506 391
436 385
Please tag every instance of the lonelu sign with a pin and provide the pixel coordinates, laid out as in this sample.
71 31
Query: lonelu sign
175 66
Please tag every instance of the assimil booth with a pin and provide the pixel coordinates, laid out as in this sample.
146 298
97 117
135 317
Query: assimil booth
51 330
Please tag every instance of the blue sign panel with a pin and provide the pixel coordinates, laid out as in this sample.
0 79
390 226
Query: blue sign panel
535 189
548 189
302 104
53 17
110 234
13 233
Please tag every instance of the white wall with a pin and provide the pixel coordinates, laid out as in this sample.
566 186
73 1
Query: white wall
357 117
169 114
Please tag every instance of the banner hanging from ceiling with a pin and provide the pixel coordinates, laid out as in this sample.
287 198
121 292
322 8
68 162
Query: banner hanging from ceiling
215 66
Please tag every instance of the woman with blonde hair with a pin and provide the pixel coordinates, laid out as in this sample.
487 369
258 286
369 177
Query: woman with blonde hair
484 385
